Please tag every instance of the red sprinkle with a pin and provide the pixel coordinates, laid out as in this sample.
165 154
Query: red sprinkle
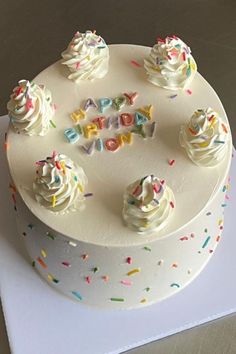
88 279
171 162
172 204
41 262
189 91
58 165
184 56
135 63
129 260
174 265
184 238
66 264
85 256
217 238
162 181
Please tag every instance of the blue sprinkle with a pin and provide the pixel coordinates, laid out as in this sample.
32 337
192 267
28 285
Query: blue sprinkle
77 295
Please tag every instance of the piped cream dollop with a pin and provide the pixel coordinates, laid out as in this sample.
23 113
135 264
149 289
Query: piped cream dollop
30 108
59 184
87 57
148 205
205 138
170 64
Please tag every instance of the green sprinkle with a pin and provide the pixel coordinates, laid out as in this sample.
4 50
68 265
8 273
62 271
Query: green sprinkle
147 248
55 280
51 236
95 269
147 289
223 205
206 241
53 124
205 230
119 299
33 264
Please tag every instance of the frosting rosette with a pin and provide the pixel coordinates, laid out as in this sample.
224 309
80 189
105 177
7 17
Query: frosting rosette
148 204
30 108
205 138
86 57
170 64
59 184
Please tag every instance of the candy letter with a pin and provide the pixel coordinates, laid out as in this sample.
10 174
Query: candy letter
104 103
78 115
125 138
90 129
79 129
112 144
99 144
90 148
127 119
117 122
140 119
100 122
139 130
89 103
131 97
71 135
119 102
146 111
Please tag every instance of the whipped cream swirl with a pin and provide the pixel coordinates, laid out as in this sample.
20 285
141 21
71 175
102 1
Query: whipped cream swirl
170 64
205 138
59 184
86 57
148 204
30 108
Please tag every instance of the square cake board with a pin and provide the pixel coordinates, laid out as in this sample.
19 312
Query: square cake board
39 320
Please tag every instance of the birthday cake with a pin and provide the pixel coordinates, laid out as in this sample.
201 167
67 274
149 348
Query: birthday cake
119 157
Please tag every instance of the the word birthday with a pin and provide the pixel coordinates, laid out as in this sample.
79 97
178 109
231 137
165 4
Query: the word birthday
137 121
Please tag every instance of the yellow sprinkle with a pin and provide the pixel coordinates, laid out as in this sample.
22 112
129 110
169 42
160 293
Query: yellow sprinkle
63 166
43 253
80 188
54 199
50 277
88 57
220 222
143 300
133 271
203 144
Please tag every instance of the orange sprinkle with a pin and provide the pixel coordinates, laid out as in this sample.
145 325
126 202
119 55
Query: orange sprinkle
105 278
192 131
224 128
174 265
217 238
41 262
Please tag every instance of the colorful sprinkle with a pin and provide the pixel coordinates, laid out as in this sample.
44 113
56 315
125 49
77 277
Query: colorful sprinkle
54 200
217 238
175 285
119 299
33 264
129 260
43 253
171 162
41 262
160 262
105 278
77 295
189 91
53 124
209 213
223 205
173 96
51 278
184 238
206 241
147 288
66 264
88 279
51 236
95 269
143 301
126 282
85 257
172 205
174 265
135 63
133 271
88 195
147 248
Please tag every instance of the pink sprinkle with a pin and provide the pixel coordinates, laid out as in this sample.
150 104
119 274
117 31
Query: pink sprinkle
85 257
77 65
172 204
189 91
129 260
226 197
192 235
155 188
162 181
88 279
126 282
29 104
66 264
184 238
135 63
171 162
40 163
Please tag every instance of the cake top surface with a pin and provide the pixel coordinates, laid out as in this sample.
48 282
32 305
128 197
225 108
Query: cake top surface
109 173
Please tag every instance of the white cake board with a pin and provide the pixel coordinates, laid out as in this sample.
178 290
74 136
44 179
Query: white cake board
39 320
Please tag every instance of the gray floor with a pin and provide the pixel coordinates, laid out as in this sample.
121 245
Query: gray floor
33 34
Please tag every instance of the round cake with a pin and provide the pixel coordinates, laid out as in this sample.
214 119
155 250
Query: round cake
123 131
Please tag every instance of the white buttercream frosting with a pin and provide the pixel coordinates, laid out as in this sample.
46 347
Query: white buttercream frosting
205 137
30 108
170 64
59 184
86 57
148 204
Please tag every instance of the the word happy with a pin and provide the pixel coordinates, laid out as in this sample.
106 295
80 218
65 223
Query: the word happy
137 122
